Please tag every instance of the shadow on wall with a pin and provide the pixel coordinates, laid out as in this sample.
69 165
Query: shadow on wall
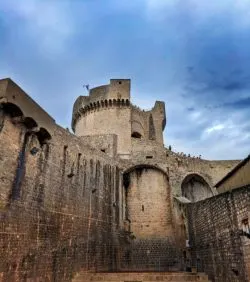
195 188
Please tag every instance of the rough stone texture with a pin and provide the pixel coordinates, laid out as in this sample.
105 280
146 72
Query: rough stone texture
59 216
14 98
66 205
218 245
95 122
148 203
195 188
148 210
149 124
105 143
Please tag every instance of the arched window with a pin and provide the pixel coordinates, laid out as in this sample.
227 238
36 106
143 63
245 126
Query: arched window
195 188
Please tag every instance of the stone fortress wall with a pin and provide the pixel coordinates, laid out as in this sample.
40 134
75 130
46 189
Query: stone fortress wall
56 200
155 174
102 199
218 245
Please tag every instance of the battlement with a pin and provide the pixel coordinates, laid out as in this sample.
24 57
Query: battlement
95 106
115 94
117 89
107 110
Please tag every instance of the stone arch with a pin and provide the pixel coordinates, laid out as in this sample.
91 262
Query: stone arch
140 166
43 135
148 214
30 122
195 187
146 189
12 109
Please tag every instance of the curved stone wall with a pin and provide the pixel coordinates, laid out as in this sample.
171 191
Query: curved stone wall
99 93
82 110
106 117
117 91
149 213
195 188
148 203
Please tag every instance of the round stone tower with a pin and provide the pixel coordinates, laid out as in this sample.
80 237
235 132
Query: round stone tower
105 111
111 123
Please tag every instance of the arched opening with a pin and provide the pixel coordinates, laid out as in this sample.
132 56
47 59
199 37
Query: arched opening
195 188
12 109
148 214
136 135
43 136
30 122
147 193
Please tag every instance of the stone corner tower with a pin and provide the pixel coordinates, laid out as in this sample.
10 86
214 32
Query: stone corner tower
107 111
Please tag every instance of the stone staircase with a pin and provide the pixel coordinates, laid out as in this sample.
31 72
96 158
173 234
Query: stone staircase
139 277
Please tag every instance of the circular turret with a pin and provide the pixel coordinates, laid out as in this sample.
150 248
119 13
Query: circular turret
105 111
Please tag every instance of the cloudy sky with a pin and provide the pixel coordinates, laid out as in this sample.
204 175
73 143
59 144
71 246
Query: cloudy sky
192 54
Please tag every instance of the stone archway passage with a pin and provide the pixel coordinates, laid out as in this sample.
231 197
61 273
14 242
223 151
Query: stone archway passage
148 202
195 188
148 211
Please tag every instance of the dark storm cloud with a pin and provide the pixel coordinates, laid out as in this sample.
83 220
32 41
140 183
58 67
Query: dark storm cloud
192 54
240 104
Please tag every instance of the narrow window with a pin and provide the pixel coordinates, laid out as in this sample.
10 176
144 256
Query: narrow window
245 227
136 135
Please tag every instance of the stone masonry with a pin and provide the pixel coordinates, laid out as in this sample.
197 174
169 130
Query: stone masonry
109 197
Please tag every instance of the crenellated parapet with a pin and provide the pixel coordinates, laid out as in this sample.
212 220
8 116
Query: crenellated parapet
108 110
115 94
83 107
